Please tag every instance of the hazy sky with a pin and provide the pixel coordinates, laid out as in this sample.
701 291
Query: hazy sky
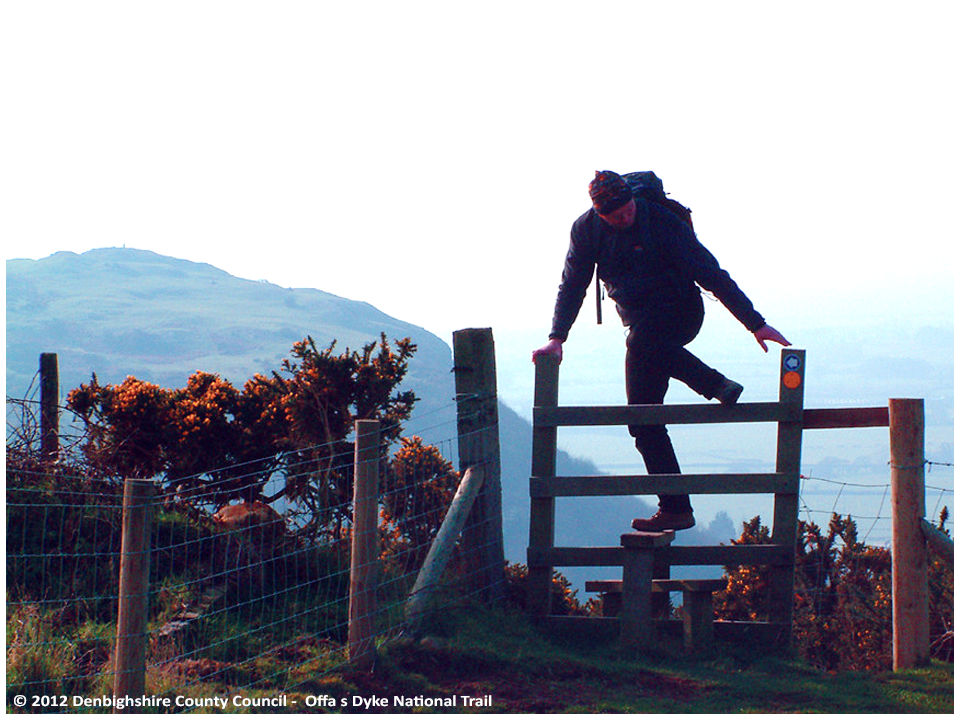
430 157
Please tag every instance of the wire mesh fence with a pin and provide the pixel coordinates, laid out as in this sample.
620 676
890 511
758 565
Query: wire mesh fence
249 595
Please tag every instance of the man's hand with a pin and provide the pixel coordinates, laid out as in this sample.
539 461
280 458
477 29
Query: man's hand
768 333
554 347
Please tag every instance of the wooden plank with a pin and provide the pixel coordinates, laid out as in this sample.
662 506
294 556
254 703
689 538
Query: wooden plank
647 539
818 419
673 585
675 555
578 415
684 484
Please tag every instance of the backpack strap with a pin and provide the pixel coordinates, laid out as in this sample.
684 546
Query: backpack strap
599 297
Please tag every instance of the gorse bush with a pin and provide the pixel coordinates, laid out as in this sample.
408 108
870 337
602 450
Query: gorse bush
227 601
842 616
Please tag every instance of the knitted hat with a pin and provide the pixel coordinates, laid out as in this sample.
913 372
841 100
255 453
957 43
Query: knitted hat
609 191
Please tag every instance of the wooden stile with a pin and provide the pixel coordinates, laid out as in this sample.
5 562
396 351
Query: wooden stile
779 556
545 486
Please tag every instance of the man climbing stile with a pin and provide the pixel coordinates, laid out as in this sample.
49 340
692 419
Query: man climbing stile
651 264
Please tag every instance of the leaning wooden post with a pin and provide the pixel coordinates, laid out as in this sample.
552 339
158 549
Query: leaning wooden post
442 548
130 655
938 542
49 407
543 465
911 622
478 431
361 630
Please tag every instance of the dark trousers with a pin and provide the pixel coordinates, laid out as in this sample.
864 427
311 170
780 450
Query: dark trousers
656 353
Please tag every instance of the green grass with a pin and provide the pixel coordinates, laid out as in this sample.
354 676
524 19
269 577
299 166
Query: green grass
525 671
475 652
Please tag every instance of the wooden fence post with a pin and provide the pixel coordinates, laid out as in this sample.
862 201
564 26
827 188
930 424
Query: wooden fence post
911 622
442 547
130 656
361 631
478 431
786 503
543 464
49 407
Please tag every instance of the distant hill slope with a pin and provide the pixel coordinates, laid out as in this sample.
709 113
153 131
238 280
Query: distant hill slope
119 312
123 311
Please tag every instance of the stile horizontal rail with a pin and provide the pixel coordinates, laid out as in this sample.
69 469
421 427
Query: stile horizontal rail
834 418
687 484
811 418
580 415
674 555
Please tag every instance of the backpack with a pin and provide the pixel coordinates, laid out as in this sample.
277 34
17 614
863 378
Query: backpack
646 185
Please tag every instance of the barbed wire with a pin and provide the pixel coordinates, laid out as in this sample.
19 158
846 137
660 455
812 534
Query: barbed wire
882 503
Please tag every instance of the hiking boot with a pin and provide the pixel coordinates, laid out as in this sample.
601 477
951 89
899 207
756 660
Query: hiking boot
664 521
729 392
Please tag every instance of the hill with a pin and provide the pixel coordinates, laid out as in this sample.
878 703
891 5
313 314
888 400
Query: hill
120 311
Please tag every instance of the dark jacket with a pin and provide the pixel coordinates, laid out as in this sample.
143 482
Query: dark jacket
651 268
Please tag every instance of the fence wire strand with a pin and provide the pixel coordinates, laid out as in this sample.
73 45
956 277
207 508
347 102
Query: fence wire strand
256 601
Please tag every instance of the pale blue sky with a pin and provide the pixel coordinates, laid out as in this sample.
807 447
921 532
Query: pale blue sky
430 157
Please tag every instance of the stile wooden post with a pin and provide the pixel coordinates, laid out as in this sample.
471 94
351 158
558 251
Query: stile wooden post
442 547
786 503
911 623
130 655
636 613
49 407
636 620
543 465
478 431
361 631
